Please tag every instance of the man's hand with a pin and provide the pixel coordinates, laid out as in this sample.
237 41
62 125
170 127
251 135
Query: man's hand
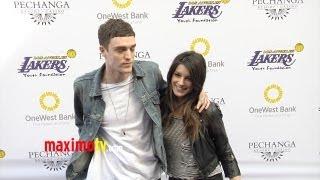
236 178
203 102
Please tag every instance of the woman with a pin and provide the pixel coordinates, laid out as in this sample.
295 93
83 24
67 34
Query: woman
195 143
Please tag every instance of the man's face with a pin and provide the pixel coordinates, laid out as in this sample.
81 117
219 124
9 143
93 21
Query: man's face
119 54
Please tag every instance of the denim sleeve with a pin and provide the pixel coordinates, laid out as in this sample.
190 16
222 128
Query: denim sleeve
78 110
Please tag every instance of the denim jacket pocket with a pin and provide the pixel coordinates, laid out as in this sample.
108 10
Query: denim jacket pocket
155 97
154 105
90 118
91 126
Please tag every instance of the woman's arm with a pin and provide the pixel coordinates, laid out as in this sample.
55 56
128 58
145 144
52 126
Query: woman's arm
219 137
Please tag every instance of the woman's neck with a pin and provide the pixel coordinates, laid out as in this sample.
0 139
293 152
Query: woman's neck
178 109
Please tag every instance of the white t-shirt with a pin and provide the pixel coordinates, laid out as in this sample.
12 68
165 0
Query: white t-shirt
127 130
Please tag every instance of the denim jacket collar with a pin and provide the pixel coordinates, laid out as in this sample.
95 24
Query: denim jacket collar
96 90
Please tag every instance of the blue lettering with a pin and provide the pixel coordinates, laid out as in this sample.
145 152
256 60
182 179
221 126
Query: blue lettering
58 65
183 9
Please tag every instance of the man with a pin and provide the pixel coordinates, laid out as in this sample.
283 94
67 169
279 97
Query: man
119 103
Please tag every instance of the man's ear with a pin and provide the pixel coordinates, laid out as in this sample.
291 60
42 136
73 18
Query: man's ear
102 49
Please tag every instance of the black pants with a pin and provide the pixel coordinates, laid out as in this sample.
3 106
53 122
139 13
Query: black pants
215 177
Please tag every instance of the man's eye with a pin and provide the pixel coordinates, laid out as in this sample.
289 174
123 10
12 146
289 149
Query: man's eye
120 50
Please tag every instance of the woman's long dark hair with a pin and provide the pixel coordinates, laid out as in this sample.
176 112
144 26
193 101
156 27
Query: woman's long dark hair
196 65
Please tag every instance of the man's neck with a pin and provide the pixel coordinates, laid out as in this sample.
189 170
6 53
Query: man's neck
111 77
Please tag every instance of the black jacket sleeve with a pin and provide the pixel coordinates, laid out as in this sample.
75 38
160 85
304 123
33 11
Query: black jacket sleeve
219 137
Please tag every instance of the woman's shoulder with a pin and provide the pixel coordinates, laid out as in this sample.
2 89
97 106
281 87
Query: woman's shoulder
213 111
213 117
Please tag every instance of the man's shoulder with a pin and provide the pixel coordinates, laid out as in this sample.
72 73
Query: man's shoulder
145 65
86 76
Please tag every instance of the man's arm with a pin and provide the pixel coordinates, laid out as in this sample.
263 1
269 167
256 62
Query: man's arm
78 110
203 102
236 178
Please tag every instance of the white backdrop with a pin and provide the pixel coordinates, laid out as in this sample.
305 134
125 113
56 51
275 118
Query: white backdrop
271 110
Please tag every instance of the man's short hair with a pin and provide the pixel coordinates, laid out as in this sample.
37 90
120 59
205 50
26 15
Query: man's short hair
113 28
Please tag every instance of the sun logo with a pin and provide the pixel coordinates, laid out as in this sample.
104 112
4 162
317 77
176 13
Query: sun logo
120 4
2 153
49 101
273 93
200 45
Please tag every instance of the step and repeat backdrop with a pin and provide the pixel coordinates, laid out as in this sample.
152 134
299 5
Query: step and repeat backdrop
263 69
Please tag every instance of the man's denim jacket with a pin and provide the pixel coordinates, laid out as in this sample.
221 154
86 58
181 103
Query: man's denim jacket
89 111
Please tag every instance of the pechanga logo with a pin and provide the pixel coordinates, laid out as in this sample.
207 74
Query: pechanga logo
218 100
277 9
49 101
142 55
2 153
202 46
52 161
272 151
57 64
273 94
42 12
199 11
274 59
138 55
120 12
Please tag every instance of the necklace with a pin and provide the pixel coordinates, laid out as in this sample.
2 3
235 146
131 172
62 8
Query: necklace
123 131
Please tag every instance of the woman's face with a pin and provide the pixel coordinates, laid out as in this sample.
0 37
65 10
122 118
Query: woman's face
181 81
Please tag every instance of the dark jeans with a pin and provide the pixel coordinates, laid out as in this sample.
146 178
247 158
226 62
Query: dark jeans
215 177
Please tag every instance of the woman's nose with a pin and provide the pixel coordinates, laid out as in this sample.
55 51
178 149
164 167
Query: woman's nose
181 81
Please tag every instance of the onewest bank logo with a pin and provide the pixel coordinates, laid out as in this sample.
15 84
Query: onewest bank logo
98 144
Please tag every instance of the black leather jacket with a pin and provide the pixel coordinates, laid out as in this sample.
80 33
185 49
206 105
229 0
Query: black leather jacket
213 146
